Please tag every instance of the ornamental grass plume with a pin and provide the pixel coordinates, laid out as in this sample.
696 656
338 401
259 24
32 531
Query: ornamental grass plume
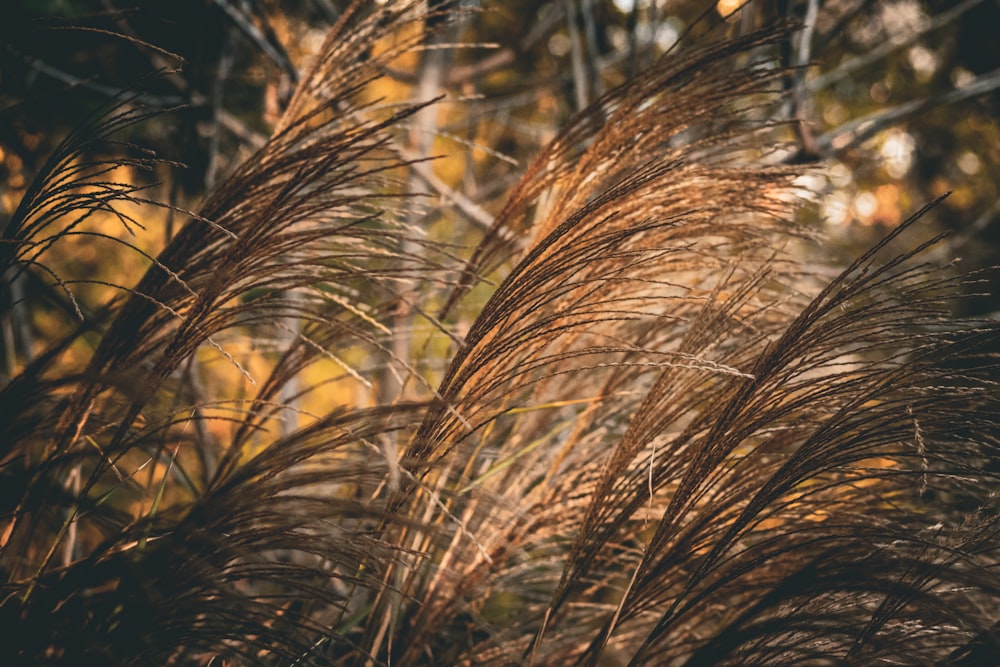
661 438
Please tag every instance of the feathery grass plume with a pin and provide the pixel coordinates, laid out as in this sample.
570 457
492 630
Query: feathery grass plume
663 440
123 539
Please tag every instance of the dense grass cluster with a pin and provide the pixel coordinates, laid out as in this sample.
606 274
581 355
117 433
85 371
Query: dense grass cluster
631 426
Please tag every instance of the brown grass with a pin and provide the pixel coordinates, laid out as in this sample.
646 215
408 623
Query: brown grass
662 440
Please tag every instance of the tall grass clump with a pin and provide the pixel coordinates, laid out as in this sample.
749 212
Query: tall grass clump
633 426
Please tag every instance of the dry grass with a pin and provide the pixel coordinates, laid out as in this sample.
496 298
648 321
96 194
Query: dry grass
662 440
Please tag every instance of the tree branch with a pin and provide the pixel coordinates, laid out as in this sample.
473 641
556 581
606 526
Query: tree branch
855 132
885 48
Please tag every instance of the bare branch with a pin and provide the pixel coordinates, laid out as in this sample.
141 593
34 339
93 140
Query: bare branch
879 52
858 130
